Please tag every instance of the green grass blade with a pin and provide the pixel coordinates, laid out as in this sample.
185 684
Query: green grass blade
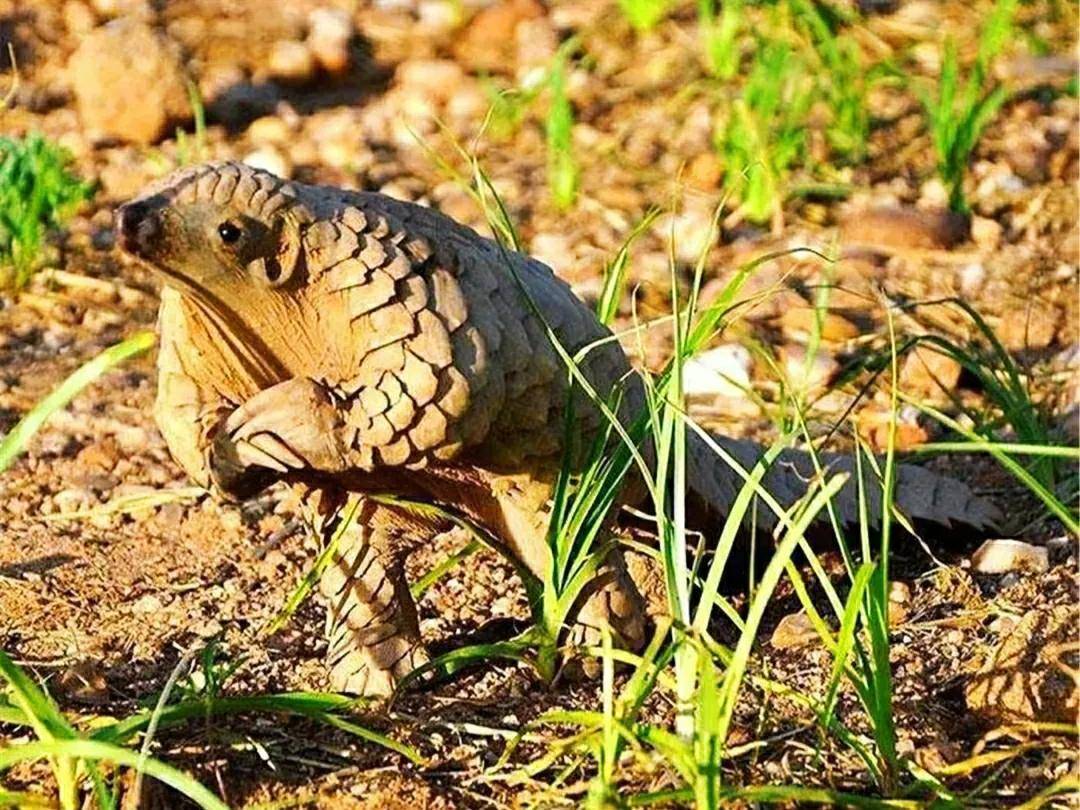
37 707
306 704
420 587
733 677
463 657
607 305
307 583
845 639
367 734
94 750
14 443
47 722
733 525
1072 523
25 801
323 707
643 15
977 446
562 168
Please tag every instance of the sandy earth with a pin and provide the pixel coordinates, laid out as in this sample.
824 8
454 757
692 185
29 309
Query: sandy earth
103 608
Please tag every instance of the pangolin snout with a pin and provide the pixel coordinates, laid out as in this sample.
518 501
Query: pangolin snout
137 226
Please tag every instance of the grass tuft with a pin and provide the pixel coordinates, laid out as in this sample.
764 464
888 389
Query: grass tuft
844 80
644 15
764 134
720 31
562 169
958 110
38 193
193 150
74 755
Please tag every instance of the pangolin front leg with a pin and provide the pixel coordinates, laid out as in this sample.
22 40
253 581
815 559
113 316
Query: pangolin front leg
294 425
372 628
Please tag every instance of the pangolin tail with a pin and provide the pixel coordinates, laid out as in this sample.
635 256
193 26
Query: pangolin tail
920 494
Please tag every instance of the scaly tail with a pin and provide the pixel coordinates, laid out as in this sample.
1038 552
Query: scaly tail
919 493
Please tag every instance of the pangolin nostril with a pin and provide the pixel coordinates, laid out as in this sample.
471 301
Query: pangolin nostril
136 226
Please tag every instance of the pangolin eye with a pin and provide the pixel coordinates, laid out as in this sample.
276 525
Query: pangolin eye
229 232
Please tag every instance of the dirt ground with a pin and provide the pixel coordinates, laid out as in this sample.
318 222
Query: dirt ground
103 608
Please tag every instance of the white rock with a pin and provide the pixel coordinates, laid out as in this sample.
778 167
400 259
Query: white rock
147 604
691 232
722 372
269 159
75 499
330 30
438 16
1002 556
810 375
1000 180
430 79
468 103
899 603
133 439
933 194
553 249
972 277
123 8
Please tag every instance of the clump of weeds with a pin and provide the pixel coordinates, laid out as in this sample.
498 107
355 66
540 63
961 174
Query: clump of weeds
38 194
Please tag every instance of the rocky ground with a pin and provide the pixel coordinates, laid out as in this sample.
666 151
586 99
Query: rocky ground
104 607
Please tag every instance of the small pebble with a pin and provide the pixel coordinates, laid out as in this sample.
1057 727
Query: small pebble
799 322
972 277
269 129
899 603
147 604
128 82
808 376
794 630
1033 326
986 233
291 61
74 499
723 371
270 159
78 17
929 373
1003 556
330 31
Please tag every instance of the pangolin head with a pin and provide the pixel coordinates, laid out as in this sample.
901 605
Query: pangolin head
221 231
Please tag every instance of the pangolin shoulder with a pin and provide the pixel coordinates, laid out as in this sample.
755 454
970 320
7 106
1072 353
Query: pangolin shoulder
453 321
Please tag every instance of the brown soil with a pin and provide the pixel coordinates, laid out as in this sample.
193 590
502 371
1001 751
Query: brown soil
103 609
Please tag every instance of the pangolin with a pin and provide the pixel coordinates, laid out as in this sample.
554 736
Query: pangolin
360 344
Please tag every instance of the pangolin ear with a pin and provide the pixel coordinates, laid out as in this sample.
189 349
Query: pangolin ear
281 263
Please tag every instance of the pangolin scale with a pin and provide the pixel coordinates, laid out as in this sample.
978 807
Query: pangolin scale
360 344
